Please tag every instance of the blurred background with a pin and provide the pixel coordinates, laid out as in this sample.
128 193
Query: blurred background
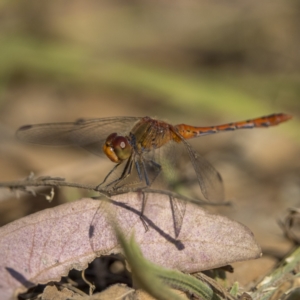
196 62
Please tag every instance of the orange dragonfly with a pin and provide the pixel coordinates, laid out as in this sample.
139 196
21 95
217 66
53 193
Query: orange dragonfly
136 144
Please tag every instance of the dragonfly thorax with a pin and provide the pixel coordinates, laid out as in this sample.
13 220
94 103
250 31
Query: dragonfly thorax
117 148
149 134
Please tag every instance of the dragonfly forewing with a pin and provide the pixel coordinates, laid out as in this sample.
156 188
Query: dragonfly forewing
88 134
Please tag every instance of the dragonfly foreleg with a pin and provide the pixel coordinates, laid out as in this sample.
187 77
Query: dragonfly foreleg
126 172
106 177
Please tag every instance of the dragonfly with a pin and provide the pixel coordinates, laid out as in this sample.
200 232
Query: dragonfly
142 148
136 142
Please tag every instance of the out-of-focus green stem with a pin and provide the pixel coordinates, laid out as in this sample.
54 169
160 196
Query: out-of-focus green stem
155 280
281 281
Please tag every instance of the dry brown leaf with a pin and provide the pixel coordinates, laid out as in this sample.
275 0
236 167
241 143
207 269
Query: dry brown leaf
116 291
44 246
52 293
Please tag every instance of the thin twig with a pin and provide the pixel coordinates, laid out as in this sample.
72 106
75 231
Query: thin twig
60 182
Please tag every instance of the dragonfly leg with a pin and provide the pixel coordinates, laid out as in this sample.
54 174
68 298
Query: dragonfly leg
137 166
110 172
143 171
126 172
154 164
157 171
141 167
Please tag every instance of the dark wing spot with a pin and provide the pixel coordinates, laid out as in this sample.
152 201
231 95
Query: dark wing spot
79 121
219 177
25 127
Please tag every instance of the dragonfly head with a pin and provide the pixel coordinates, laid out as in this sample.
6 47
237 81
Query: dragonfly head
117 148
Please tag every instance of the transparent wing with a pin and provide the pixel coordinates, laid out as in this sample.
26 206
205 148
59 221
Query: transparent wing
178 210
209 179
88 134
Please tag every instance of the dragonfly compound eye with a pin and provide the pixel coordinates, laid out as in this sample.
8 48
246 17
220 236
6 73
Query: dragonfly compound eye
121 147
117 148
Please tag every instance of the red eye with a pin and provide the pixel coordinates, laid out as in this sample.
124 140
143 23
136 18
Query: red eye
121 147
110 139
119 142
117 148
